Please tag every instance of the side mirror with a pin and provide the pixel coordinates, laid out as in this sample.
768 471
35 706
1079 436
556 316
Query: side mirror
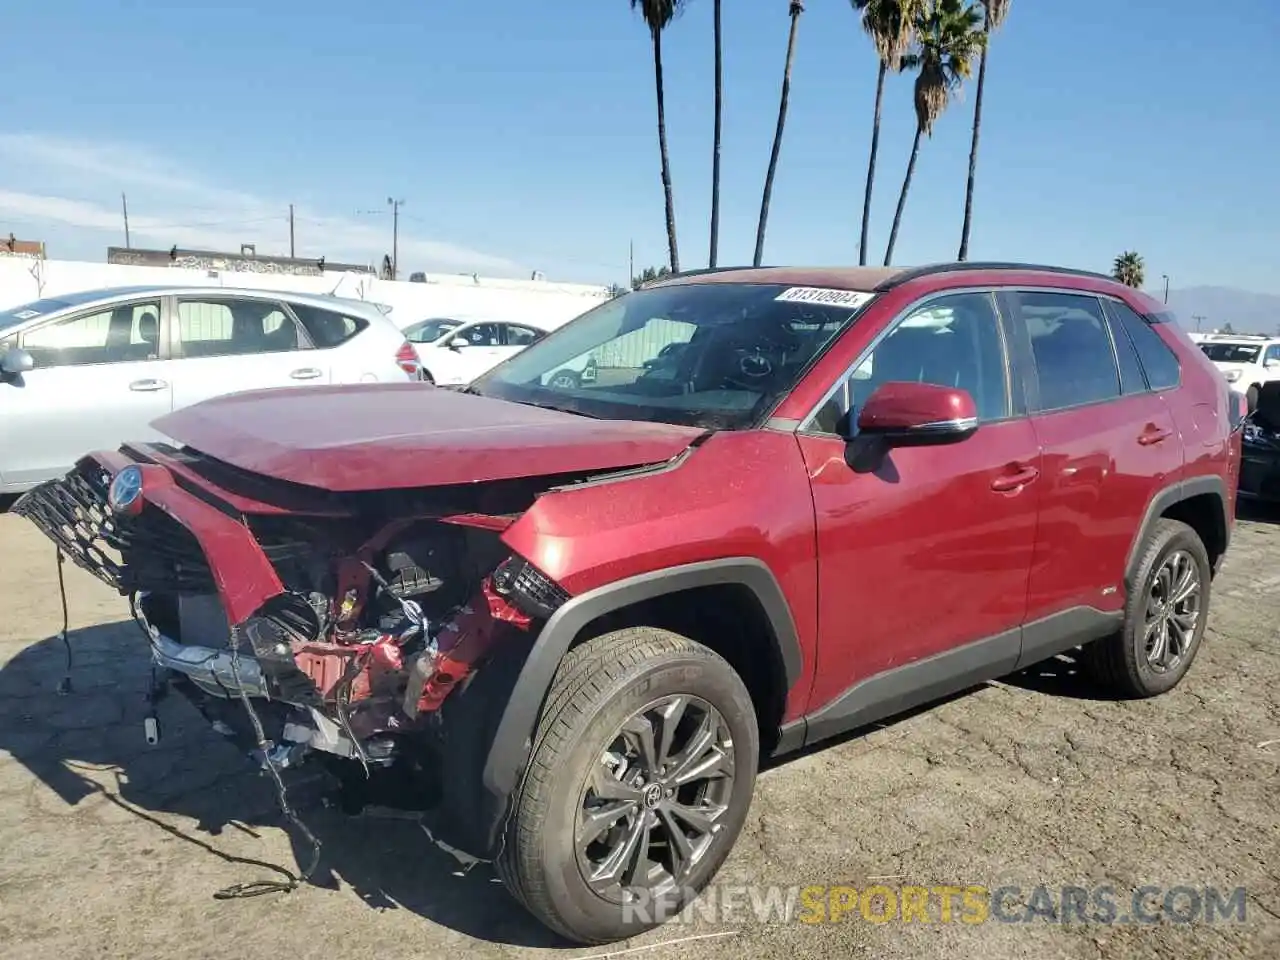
1269 364
913 414
457 343
15 362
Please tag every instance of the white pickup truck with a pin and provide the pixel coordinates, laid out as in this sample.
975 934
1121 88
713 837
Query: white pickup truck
1247 360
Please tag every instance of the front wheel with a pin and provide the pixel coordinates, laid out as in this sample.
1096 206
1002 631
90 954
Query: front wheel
641 776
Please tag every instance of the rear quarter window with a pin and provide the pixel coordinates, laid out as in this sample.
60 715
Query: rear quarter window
328 328
1163 370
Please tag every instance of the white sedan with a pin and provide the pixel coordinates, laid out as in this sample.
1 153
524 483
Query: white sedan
454 352
91 370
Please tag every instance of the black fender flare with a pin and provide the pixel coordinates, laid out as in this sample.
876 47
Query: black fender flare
513 739
1176 492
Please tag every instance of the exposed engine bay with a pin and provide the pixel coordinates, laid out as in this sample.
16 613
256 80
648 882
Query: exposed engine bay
385 611
359 653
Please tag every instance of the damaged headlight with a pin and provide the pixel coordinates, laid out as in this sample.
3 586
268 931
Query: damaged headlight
528 588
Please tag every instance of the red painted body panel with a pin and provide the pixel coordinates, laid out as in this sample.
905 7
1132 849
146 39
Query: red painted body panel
898 405
242 573
738 495
921 555
398 435
1097 480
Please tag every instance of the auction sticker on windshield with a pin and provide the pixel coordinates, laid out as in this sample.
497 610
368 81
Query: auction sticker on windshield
824 296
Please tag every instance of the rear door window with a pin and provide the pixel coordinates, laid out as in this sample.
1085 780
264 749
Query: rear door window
234 327
1071 347
520 336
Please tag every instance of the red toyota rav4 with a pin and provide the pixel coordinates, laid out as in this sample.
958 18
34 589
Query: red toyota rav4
793 501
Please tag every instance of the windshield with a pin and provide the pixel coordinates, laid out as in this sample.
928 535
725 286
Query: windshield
429 331
1231 352
713 355
16 316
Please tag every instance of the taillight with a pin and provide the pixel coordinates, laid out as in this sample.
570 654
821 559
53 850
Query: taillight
409 361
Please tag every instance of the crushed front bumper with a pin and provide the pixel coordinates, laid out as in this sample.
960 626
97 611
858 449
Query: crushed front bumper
174 539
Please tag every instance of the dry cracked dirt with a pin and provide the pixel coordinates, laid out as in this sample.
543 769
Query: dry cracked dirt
111 848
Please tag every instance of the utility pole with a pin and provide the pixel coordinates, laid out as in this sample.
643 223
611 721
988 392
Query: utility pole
1166 287
291 231
124 205
631 262
1197 318
395 235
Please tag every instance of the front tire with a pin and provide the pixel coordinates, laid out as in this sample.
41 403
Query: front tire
1165 616
639 782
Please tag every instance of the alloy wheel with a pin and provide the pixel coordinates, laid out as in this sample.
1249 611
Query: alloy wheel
651 807
1173 610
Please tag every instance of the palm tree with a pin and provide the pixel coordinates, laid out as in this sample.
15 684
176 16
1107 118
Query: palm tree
948 38
889 24
796 8
658 15
1129 269
994 12
715 145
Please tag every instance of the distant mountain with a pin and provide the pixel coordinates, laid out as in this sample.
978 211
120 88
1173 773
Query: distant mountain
1247 312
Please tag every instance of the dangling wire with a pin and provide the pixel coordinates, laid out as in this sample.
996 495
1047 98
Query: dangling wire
64 685
258 887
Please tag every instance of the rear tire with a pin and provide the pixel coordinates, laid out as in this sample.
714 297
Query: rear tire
565 380
582 774
1164 617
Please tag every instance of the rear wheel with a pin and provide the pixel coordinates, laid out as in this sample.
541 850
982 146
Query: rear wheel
564 380
640 780
1164 617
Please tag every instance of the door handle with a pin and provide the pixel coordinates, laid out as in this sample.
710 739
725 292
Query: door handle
306 373
1153 434
1014 481
148 386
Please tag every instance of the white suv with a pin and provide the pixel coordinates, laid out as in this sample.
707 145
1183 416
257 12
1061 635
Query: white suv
89 371
1246 360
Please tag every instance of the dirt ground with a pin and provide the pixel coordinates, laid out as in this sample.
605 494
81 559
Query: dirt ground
111 848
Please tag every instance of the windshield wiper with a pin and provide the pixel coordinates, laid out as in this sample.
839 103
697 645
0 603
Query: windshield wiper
549 406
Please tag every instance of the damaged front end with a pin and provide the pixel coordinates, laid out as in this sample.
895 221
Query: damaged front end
345 622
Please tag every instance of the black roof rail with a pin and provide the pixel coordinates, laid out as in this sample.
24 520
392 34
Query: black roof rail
961 266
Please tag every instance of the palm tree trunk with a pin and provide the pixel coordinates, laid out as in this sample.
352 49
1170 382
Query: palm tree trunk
871 165
902 197
777 140
973 149
666 159
715 148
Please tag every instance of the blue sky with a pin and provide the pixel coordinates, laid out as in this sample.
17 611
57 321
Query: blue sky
521 135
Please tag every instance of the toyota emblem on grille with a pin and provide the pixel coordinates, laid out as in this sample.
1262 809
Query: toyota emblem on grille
125 493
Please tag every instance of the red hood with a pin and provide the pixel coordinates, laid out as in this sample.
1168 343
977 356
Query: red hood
380 436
